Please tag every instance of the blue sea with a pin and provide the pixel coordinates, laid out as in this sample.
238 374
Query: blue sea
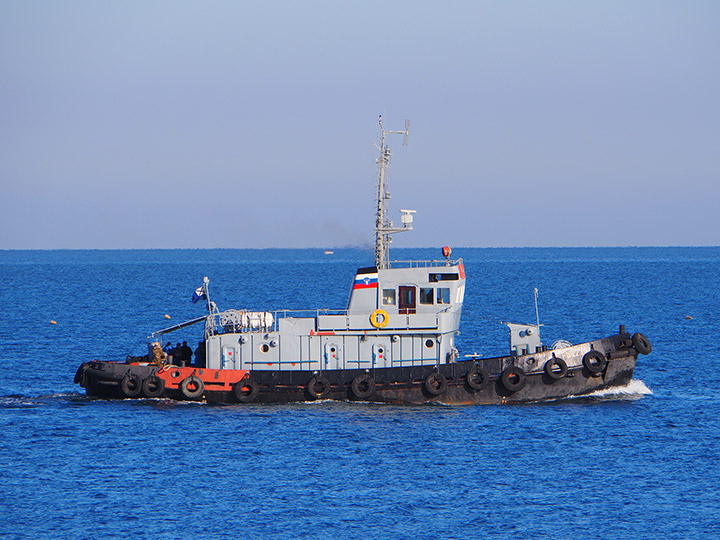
640 462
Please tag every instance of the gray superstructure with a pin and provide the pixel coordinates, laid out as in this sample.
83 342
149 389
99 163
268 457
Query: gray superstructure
400 316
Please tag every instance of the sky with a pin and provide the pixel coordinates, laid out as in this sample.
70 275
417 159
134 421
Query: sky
230 124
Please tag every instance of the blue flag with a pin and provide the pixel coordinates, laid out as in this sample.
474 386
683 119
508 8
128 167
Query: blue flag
199 294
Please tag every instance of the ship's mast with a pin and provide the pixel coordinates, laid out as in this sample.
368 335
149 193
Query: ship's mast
383 226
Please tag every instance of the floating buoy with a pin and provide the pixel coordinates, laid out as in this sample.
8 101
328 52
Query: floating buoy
53 322
688 317
167 316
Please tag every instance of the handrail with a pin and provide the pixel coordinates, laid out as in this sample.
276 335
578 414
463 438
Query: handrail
267 321
425 263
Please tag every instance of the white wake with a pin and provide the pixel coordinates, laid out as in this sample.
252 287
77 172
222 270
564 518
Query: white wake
635 389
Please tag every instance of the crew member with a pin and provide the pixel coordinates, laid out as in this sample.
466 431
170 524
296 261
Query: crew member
200 354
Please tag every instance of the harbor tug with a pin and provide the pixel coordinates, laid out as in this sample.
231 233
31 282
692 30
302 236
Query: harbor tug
394 343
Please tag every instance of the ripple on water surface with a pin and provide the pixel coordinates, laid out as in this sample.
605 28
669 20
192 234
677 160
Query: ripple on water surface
636 462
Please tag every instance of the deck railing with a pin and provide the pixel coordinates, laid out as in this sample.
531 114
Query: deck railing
425 264
239 321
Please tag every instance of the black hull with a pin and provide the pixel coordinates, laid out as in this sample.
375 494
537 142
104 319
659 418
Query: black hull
490 381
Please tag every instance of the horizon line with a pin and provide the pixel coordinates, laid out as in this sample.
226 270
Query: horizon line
359 248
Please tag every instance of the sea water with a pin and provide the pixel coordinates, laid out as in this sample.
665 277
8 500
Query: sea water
636 462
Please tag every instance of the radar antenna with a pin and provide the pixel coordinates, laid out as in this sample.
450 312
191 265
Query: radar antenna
383 226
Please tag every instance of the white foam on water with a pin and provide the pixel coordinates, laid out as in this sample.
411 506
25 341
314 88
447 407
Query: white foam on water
635 389
62 395
18 402
318 401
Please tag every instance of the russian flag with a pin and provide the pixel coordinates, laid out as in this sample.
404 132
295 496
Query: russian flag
199 294
366 281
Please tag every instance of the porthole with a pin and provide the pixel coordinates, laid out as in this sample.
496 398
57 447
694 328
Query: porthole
429 343
264 347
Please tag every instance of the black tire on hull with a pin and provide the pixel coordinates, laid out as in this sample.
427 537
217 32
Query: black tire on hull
186 387
80 374
435 383
513 378
641 344
130 385
363 386
594 361
246 390
153 386
477 378
318 387
550 368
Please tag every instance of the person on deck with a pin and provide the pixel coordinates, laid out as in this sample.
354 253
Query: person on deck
177 354
186 353
200 354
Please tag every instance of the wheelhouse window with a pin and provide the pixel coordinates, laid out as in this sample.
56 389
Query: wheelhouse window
434 278
443 295
388 297
426 295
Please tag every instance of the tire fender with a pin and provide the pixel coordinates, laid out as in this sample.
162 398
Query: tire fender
513 378
435 383
131 385
550 368
641 343
318 387
363 386
594 361
190 393
477 378
246 390
153 386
